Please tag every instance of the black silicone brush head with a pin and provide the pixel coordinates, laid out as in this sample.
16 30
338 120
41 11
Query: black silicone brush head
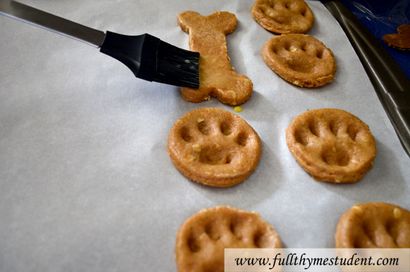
151 59
177 66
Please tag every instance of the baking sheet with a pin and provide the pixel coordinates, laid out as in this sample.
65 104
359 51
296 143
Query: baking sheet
85 180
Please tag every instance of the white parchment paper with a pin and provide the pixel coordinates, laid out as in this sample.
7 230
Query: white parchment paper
85 180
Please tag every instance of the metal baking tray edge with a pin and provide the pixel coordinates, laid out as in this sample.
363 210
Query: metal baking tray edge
389 81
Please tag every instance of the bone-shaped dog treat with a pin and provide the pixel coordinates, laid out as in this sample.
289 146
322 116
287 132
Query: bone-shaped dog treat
207 35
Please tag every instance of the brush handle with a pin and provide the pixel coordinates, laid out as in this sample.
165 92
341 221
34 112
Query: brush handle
146 56
51 22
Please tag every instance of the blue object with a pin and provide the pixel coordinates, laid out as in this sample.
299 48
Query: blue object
382 17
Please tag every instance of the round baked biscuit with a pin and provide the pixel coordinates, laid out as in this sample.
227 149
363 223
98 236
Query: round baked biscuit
374 225
202 238
214 147
283 16
332 145
300 59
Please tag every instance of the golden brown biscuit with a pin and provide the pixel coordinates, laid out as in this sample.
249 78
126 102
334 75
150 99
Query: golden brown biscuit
207 35
283 16
374 225
331 145
201 240
401 39
300 59
214 147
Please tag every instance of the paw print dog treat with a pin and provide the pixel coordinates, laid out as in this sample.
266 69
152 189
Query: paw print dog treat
399 40
217 78
374 225
214 147
201 240
332 145
283 16
300 59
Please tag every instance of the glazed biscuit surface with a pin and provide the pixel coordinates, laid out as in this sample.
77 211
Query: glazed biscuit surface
374 225
300 59
214 147
202 238
332 145
283 16
207 35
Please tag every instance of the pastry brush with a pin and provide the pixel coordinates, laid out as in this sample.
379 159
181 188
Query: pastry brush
146 56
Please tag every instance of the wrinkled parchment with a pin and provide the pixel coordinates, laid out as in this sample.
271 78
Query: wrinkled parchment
85 180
